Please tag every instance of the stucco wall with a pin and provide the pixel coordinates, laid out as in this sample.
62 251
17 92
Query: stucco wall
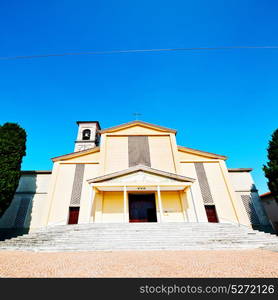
29 203
220 194
172 208
160 148
113 207
116 156
245 189
90 171
59 200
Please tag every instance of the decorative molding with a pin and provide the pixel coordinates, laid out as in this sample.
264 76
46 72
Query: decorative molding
76 154
144 169
140 123
77 185
202 153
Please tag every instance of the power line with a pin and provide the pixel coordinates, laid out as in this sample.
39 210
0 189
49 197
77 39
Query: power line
135 51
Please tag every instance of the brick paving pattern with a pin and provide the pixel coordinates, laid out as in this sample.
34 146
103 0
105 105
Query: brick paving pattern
220 263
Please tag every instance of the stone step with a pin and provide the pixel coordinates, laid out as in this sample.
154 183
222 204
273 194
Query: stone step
195 239
143 236
140 237
130 248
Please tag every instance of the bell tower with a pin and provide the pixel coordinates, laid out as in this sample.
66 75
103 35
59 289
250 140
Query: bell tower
87 136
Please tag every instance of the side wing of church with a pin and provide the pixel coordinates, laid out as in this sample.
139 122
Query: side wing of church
134 172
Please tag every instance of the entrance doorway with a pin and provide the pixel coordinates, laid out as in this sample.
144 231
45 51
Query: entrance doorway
142 208
211 213
73 215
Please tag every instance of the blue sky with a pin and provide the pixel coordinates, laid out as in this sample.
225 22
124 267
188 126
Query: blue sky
219 101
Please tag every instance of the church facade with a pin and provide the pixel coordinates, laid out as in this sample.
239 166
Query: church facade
134 172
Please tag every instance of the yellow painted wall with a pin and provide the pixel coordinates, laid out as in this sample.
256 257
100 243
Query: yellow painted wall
172 208
219 191
116 156
113 207
90 171
60 200
188 169
97 208
161 153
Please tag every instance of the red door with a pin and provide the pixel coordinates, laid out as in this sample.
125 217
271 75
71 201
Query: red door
211 213
73 215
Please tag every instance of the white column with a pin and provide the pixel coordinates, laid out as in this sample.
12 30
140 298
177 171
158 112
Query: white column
160 203
125 206
91 202
193 203
183 205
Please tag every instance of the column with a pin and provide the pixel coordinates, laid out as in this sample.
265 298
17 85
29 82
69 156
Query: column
91 202
160 203
193 204
125 206
183 205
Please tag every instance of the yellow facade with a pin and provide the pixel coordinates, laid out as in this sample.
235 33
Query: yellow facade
184 182
179 201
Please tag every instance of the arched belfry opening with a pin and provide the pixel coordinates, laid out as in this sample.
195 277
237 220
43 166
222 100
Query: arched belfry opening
86 134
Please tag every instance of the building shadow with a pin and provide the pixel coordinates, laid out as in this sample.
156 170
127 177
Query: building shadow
258 215
17 218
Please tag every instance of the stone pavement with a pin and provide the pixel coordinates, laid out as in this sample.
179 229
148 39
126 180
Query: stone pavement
205 263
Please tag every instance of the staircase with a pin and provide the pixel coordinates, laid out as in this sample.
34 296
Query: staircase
142 236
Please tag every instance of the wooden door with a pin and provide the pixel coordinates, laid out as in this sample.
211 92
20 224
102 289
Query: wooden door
211 213
142 208
73 215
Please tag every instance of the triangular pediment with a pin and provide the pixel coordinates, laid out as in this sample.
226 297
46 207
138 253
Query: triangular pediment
142 177
138 127
141 174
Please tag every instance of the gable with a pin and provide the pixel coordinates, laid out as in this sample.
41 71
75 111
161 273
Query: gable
138 130
138 127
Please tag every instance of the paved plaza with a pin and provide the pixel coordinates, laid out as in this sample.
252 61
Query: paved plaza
219 263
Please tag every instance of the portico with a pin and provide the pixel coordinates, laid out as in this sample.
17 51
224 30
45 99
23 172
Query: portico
171 193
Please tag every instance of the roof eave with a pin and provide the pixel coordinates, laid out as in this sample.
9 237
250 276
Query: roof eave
75 154
137 169
203 153
133 123
235 170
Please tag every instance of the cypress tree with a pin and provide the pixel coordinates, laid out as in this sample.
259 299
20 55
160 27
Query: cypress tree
12 150
271 169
